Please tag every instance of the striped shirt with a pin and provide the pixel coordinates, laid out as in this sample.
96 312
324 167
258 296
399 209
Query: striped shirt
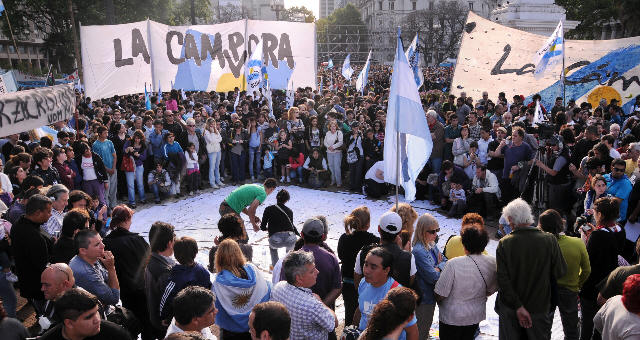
466 297
310 318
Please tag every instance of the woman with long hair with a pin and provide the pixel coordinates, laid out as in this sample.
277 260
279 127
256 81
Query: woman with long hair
429 262
278 221
461 146
238 152
391 315
598 190
136 148
295 126
333 142
213 138
409 217
314 134
65 173
356 226
238 286
284 147
255 136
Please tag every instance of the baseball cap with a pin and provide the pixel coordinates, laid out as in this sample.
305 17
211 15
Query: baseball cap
313 227
391 222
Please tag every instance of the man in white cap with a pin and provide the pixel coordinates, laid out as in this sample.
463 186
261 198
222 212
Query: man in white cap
404 265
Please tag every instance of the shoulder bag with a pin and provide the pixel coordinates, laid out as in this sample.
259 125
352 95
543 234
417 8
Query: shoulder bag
288 219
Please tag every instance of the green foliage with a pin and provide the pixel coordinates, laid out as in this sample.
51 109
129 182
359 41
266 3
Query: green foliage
341 33
294 13
593 13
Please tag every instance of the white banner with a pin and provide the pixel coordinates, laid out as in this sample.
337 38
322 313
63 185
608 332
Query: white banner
120 59
497 58
26 110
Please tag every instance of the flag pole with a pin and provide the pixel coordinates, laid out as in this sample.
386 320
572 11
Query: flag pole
563 74
397 141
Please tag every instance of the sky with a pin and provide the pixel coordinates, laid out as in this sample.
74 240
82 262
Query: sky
313 5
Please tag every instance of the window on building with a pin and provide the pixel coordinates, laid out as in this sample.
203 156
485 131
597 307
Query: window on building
471 5
431 4
380 5
2 48
392 5
414 5
12 49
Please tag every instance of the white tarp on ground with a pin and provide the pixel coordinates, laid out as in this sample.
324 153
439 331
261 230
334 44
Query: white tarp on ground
26 110
497 58
120 59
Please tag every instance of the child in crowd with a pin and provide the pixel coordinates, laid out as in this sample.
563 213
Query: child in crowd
174 154
187 273
458 199
159 181
193 170
267 163
295 166
471 160
98 209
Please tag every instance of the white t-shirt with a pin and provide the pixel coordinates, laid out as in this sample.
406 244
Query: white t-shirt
5 182
371 173
88 172
614 153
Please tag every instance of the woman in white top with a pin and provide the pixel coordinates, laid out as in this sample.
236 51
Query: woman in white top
461 146
333 142
213 138
464 285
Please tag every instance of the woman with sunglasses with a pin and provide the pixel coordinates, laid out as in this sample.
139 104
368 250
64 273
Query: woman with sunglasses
429 263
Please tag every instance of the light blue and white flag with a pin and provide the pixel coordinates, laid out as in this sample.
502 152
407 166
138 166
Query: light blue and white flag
254 70
49 132
159 93
184 95
1 7
550 54
291 93
330 64
361 82
538 116
413 57
405 117
237 296
147 98
347 71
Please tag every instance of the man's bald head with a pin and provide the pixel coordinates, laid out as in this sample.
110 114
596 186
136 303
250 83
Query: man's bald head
56 279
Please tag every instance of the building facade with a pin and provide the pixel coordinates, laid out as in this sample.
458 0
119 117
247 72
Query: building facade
30 51
533 16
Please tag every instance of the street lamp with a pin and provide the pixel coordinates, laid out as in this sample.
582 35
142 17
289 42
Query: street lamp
277 6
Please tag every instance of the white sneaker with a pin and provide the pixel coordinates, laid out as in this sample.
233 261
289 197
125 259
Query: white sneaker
215 186
253 179
282 179
288 179
11 277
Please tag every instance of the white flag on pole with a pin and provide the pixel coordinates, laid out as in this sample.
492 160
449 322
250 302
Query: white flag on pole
538 117
405 117
413 57
347 71
361 82
551 53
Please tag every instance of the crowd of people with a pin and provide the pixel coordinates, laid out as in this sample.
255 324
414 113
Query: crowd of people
68 205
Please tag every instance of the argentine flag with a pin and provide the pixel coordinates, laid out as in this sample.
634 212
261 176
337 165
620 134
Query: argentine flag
405 119
159 93
235 297
254 70
413 57
330 64
550 53
347 71
147 98
361 82
291 93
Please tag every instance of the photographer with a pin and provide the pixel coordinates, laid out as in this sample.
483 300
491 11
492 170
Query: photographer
558 176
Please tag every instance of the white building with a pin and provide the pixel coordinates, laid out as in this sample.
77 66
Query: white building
383 17
534 16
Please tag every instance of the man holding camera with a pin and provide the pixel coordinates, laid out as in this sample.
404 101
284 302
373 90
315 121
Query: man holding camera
558 176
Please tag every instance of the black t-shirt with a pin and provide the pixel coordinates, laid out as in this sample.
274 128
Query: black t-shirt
108 331
495 163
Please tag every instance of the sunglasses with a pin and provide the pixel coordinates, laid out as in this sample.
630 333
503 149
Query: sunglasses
433 231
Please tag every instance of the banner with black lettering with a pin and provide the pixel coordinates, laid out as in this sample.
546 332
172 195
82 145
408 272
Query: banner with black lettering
121 59
26 110
497 58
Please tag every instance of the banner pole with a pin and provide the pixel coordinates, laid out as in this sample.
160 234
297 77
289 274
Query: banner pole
13 38
563 74
76 44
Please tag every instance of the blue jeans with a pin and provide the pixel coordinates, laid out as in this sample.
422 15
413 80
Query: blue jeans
254 154
335 163
296 173
214 167
8 296
283 239
137 176
436 163
237 166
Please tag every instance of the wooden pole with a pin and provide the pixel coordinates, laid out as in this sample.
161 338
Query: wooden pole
13 38
76 44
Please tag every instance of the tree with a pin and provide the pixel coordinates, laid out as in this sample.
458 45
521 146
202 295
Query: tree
342 33
228 13
439 30
593 13
297 13
52 18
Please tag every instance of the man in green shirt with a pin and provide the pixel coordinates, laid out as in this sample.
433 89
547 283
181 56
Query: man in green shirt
246 199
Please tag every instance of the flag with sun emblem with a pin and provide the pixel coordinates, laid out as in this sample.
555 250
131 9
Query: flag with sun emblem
235 297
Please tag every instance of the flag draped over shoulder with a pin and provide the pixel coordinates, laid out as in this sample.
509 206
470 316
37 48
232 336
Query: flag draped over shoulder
405 117
413 57
254 70
361 82
550 53
237 295
347 71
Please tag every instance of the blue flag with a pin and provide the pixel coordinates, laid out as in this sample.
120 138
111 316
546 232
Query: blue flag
147 98
406 118
1 7
330 64
361 83
413 57
347 71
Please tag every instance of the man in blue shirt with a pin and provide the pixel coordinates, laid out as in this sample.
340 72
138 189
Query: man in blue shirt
104 148
619 185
